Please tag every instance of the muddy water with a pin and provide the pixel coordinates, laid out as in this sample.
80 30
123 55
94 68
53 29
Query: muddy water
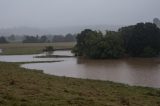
132 71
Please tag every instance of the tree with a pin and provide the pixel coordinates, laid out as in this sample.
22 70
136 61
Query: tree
93 44
70 38
141 38
43 39
58 38
3 40
112 45
86 41
157 22
49 50
31 39
66 38
11 37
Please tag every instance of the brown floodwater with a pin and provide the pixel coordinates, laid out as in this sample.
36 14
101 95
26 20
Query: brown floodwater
132 71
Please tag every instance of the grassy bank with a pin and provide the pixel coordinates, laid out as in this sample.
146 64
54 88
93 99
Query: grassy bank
23 87
32 48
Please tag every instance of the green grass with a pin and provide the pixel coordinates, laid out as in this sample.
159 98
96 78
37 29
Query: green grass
32 48
23 87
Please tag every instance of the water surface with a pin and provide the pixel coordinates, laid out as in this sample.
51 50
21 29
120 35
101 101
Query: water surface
132 71
29 58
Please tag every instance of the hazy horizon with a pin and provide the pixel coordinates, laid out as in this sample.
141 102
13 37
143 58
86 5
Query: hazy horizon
63 13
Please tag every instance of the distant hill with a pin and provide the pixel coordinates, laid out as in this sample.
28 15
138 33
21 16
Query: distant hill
58 30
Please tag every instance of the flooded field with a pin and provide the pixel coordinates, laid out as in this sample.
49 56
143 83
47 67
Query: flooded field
141 72
132 71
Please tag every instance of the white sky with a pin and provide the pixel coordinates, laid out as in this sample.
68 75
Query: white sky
58 13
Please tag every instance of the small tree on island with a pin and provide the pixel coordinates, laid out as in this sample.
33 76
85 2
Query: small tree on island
49 50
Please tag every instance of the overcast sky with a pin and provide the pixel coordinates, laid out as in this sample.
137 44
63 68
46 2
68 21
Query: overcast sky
57 13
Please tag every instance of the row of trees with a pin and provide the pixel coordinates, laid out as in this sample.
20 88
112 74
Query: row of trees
38 39
140 40
44 39
35 39
67 38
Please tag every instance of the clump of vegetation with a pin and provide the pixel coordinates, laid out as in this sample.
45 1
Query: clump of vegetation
49 50
140 40
94 44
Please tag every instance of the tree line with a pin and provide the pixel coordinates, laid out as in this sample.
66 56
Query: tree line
140 40
38 39
46 39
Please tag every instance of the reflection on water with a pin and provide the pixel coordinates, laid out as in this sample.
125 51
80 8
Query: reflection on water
133 71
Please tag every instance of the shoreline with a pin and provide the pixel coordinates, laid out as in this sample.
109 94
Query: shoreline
19 86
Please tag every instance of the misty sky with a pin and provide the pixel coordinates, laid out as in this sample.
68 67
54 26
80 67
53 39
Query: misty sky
57 13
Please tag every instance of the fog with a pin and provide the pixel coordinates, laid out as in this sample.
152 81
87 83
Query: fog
61 13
